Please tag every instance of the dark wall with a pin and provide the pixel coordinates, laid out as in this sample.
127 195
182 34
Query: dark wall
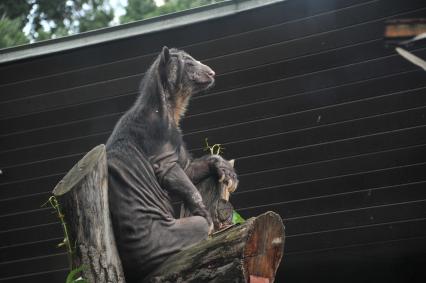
327 125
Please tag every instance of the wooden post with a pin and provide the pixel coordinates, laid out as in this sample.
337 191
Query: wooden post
83 196
250 252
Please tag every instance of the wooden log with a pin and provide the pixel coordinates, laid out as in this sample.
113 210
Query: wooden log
250 252
83 196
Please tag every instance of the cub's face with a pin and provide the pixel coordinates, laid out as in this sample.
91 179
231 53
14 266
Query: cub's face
183 74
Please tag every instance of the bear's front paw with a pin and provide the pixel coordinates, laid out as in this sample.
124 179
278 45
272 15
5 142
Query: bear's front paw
201 211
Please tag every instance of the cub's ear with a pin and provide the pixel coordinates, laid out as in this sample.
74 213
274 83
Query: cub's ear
165 56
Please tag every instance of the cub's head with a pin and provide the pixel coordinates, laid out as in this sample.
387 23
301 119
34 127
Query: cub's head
182 76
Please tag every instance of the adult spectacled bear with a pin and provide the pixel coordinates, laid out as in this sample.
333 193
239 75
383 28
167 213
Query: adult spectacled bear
147 160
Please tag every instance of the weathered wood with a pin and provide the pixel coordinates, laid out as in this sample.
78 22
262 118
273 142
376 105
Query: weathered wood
397 28
83 195
251 250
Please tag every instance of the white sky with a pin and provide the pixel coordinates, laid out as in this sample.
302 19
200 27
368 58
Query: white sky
119 5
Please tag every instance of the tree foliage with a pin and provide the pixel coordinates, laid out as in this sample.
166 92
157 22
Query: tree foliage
46 19
11 33
144 9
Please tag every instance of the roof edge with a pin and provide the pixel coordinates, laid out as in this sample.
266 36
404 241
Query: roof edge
151 25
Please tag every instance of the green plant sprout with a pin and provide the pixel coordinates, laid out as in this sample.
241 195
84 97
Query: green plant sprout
236 218
73 273
216 149
53 201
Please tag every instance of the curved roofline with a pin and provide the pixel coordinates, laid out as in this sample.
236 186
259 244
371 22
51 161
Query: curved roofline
164 22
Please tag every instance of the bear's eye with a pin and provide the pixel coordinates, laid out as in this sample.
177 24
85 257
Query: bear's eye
190 63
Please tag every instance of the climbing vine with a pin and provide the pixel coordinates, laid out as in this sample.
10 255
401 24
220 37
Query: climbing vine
71 278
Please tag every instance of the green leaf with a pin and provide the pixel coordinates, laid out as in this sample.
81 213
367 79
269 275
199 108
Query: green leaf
236 218
73 273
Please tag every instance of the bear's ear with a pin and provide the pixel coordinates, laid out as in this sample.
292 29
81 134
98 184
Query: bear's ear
162 66
165 56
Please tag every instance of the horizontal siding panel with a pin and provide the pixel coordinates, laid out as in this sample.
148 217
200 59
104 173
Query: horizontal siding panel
145 44
267 109
32 265
339 57
356 236
322 133
332 168
318 214
333 150
21 187
38 169
52 150
320 224
108 106
328 78
47 276
375 125
280 71
28 202
394 178
249 52
38 233
380 261
30 250
27 218
60 98
353 217
316 34
95 126
247 164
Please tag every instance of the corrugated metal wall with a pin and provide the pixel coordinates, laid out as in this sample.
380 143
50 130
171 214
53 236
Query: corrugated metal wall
327 125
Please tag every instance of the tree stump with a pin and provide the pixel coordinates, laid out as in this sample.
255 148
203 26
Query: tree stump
250 252
83 196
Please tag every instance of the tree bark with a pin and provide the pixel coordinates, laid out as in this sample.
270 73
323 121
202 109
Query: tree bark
250 252
83 196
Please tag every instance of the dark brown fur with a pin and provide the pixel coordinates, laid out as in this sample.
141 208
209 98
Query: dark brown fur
147 160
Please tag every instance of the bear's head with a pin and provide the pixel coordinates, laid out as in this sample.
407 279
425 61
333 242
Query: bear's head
182 76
